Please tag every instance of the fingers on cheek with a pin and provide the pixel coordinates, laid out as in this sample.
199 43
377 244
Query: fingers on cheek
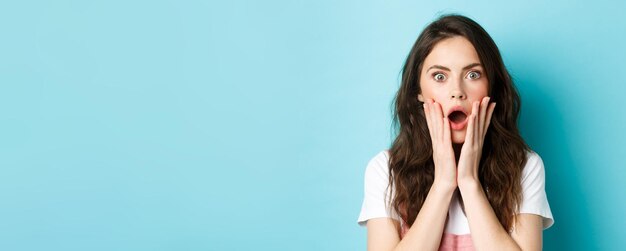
472 130
477 121
446 130
427 115
477 128
476 108
427 112
481 118
485 105
436 118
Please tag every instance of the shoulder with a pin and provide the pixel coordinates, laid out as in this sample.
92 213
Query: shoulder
377 171
535 200
534 167
381 158
533 158
378 165
377 192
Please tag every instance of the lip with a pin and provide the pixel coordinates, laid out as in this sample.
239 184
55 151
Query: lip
462 124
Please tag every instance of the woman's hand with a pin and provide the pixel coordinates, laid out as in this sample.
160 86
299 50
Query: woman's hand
443 154
472 148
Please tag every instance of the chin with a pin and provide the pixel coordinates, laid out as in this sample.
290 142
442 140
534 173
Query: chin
458 138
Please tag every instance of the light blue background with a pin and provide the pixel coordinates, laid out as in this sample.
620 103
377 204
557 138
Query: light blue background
247 125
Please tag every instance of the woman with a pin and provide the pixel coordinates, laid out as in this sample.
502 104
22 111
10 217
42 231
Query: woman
462 177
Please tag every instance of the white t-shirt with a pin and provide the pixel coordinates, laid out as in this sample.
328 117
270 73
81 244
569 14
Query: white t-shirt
534 199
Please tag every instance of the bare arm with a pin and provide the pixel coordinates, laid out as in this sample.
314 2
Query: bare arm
426 232
488 233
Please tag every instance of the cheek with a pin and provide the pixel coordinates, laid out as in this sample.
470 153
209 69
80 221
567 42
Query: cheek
437 94
480 90
429 88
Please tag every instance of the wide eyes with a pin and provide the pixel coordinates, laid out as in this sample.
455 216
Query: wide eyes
473 75
440 76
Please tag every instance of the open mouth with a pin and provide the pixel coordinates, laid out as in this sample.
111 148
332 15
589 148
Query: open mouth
457 117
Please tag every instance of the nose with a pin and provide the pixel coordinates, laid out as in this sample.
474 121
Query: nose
457 92
458 95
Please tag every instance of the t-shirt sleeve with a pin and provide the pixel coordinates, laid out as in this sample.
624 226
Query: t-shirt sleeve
375 205
535 200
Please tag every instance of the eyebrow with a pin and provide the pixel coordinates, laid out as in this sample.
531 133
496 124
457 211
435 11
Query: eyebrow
448 69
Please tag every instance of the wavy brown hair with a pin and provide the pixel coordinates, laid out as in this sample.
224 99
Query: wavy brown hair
411 155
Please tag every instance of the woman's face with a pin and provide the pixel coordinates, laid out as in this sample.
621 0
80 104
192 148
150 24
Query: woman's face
452 76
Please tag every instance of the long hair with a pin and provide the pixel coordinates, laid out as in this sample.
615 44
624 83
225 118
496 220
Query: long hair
411 165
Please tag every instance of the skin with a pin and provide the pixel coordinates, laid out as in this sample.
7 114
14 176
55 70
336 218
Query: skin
452 75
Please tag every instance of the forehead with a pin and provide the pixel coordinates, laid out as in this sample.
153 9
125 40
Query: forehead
455 53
